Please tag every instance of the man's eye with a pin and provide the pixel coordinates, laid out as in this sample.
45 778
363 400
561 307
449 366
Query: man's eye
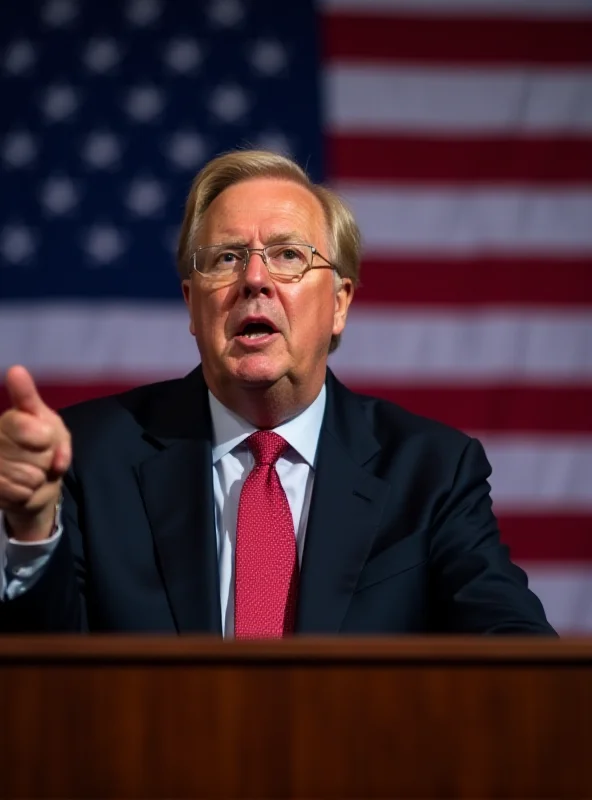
226 257
291 254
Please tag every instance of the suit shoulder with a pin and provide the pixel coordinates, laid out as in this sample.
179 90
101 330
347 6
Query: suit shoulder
107 415
392 422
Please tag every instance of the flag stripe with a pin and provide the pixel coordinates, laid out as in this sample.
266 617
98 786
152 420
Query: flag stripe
466 347
460 160
486 280
494 408
548 538
531 9
488 408
424 345
565 593
470 40
465 221
534 474
484 408
362 98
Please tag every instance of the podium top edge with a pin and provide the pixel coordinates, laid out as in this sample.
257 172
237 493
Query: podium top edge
203 649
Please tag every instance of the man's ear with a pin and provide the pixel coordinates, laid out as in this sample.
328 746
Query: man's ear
186 288
343 297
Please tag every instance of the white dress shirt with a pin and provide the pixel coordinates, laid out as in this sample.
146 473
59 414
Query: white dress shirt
22 563
232 462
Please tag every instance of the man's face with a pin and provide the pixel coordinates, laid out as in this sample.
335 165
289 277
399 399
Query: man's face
304 314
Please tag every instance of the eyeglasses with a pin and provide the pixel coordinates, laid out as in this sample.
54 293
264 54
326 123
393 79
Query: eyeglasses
286 261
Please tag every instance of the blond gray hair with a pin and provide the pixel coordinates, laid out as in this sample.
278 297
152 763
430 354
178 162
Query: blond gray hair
241 165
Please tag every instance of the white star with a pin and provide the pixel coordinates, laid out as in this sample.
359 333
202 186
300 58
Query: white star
275 141
59 195
183 55
143 12
268 57
145 197
59 13
144 103
186 149
226 13
229 103
59 103
20 57
17 243
19 149
104 243
171 239
101 55
101 149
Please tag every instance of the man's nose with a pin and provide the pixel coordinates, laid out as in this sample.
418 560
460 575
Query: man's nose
255 276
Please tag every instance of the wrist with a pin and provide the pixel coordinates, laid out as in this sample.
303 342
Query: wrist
33 528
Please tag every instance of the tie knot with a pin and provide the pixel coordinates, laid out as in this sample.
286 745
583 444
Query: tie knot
266 447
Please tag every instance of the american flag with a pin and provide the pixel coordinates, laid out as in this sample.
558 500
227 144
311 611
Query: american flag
460 132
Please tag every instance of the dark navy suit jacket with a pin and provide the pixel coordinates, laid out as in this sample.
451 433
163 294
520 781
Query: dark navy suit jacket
401 538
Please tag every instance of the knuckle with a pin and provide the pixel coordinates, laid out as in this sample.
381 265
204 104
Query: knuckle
30 475
11 493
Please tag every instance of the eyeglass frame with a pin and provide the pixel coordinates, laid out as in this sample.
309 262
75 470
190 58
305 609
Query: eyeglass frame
261 251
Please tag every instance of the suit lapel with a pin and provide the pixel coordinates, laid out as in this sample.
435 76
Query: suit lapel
345 511
176 484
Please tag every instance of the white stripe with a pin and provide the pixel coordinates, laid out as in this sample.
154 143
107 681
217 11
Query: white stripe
517 220
540 473
362 98
515 8
390 345
90 341
381 344
566 594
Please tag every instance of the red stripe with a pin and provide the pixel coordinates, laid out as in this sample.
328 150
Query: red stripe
59 395
486 408
486 281
548 538
422 159
478 40
533 409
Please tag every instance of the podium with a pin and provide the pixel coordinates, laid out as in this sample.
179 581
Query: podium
105 717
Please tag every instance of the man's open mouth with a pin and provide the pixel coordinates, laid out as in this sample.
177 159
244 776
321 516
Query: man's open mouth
256 330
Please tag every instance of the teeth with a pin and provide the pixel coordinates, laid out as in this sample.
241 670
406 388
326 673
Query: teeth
254 335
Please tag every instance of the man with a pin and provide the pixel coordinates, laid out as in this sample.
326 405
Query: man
257 496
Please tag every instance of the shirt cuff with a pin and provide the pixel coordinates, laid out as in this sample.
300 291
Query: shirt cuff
22 563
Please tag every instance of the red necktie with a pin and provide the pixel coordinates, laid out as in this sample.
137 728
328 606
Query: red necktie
266 560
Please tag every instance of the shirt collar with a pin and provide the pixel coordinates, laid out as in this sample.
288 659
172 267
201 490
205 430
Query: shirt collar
301 432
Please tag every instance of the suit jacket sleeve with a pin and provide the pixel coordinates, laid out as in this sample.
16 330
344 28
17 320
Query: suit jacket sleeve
55 603
478 588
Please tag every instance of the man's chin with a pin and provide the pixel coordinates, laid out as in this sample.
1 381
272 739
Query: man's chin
256 372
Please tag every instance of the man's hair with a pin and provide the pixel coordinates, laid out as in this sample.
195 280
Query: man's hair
234 167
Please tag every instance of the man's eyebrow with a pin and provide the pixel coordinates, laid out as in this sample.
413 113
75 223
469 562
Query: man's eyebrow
285 236
275 238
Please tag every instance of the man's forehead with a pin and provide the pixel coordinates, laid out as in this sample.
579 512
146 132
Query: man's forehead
270 206
266 195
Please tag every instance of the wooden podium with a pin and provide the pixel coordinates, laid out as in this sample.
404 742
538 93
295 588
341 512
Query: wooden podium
152 717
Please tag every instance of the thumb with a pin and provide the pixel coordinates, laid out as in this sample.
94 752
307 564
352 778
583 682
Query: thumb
23 392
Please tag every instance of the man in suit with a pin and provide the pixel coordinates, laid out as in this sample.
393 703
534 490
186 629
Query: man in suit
257 496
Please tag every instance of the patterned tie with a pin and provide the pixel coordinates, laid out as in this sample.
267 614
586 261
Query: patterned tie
266 560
